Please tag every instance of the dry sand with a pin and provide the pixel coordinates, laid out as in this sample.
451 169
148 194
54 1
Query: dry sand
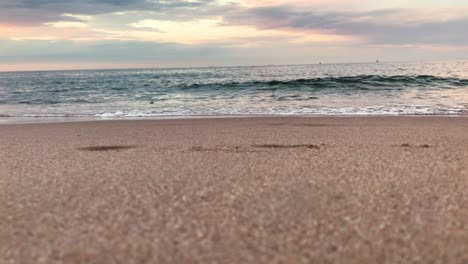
257 190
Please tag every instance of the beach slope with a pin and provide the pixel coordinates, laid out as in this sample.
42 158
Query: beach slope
236 190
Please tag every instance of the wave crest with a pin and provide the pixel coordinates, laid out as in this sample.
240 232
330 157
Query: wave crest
360 82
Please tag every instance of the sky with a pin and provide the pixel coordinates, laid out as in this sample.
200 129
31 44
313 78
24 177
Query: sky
91 34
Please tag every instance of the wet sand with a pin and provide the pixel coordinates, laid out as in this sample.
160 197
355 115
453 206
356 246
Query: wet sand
236 190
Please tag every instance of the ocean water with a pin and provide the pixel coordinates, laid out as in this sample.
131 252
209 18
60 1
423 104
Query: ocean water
429 88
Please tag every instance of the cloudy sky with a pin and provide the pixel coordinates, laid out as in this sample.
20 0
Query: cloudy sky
75 34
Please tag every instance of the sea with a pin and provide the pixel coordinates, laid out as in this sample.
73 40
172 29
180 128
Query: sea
399 88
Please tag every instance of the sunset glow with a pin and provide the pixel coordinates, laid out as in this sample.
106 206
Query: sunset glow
133 33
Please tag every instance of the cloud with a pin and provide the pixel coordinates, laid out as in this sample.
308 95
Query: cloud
42 50
391 26
227 32
442 26
41 11
132 53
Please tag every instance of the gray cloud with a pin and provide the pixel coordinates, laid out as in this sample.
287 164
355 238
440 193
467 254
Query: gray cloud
41 11
109 51
379 27
137 53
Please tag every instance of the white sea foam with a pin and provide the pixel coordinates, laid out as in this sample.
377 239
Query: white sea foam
347 89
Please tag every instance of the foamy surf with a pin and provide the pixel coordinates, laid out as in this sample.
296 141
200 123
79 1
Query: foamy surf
342 89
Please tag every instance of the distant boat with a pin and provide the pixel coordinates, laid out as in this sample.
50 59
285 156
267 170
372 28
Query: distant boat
377 61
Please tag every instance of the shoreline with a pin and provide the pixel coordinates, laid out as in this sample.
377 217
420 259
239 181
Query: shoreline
6 120
236 190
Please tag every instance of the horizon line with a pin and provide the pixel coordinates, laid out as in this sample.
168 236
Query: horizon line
230 66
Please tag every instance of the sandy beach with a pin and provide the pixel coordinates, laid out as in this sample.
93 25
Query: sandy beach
236 190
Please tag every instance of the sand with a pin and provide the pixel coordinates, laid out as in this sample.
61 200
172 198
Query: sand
236 190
